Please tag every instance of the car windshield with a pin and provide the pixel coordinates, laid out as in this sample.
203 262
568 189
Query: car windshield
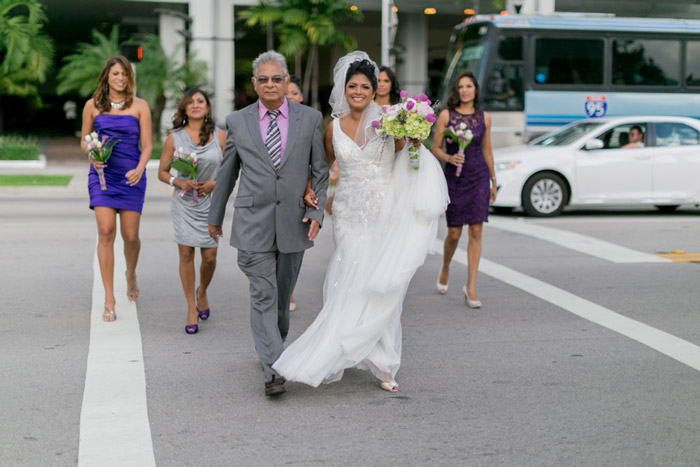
567 135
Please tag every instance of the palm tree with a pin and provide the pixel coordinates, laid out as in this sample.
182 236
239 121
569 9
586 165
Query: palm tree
159 76
156 76
25 51
82 69
304 26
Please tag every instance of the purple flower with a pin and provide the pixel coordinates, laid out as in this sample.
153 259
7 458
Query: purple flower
423 98
410 105
375 124
430 118
403 94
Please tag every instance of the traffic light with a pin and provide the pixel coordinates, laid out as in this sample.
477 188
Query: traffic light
132 51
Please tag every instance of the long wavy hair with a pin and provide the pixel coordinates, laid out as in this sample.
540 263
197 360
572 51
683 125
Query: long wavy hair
101 94
394 96
180 118
453 99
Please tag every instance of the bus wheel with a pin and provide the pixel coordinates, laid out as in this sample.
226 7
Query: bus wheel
544 195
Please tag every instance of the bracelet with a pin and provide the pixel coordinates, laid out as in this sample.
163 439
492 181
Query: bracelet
172 180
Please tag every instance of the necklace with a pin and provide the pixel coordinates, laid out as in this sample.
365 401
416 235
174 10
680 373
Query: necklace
117 105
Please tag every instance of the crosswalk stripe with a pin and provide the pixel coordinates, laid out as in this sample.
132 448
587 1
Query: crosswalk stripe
114 425
672 346
577 242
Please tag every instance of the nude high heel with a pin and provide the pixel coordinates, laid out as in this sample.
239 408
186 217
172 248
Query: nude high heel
470 303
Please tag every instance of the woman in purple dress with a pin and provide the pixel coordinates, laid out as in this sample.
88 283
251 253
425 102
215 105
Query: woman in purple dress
115 113
470 193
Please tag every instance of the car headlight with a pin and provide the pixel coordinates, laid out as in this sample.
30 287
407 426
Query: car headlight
506 165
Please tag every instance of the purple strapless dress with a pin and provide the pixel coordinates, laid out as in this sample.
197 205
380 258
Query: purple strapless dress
470 192
125 156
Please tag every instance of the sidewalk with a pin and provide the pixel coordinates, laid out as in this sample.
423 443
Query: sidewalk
64 157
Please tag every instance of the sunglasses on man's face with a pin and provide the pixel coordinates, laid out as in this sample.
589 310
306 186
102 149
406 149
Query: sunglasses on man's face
265 79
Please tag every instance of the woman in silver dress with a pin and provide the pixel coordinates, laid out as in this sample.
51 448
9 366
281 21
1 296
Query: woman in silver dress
193 131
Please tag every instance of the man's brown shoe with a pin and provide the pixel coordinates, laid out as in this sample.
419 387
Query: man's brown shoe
275 387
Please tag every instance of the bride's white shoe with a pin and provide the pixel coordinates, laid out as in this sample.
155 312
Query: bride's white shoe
391 386
470 303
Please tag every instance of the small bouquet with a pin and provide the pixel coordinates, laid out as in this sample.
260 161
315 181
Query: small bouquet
186 163
462 136
412 117
99 149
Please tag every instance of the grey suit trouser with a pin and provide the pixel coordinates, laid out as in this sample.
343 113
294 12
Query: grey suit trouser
272 276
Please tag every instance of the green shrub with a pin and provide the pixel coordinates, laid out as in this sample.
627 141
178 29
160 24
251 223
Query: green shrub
17 148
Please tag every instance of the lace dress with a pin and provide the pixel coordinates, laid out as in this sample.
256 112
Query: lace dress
470 192
384 220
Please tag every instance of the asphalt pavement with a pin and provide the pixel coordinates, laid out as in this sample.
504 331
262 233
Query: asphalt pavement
543 374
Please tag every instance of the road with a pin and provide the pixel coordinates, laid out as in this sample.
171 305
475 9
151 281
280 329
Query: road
586 352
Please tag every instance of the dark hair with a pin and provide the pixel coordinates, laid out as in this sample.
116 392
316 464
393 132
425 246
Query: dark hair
394 97
638 128
453 98
364 67
180 118
295 79
101 94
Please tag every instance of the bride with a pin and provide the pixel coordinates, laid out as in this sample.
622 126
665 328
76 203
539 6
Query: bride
384 220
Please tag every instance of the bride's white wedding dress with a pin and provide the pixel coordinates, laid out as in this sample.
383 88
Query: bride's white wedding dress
384 220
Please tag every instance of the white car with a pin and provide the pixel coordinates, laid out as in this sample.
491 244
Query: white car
591 162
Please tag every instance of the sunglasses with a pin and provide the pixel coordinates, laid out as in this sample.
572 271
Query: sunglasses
265 79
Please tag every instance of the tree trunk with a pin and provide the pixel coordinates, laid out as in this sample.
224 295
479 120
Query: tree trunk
314 85
307 74
297 65
157 115
270 38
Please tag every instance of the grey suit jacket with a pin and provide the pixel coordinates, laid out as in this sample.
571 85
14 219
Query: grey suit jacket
269 205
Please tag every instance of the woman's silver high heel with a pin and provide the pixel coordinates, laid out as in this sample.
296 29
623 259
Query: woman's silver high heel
391 386
470 303
109 315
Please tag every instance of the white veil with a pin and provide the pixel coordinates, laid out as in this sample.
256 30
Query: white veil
339 104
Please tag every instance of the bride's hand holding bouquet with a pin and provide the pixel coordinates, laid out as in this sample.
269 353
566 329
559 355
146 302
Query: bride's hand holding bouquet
413 118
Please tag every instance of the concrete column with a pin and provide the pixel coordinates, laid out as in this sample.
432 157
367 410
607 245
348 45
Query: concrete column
169 40
413 64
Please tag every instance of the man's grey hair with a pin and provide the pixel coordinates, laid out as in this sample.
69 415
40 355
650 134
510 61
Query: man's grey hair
270 56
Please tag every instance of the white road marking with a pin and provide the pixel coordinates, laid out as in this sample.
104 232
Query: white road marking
672 346
114 426
577 242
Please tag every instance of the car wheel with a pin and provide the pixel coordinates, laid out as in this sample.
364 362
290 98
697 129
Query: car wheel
545 195
668 208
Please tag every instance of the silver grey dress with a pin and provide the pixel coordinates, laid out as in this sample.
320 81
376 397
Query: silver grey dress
189 219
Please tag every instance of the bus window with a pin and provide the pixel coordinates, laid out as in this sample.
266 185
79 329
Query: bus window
568 61
646 62
692 63
510 48
504 89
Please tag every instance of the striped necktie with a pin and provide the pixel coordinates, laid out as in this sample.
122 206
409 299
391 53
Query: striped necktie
273 141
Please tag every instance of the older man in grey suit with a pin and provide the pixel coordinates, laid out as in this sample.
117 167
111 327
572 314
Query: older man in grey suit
275 144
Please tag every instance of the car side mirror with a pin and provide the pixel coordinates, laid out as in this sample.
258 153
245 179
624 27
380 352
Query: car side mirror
594 144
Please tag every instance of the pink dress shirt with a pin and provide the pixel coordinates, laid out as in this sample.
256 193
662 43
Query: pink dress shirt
282 123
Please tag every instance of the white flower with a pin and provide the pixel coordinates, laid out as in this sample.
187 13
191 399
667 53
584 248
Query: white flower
462 126
93 135
98 144
87 138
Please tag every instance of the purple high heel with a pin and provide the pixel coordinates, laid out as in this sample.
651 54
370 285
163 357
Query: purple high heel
191 328
203 314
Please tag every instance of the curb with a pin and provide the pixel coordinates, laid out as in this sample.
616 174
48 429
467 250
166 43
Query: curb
37 164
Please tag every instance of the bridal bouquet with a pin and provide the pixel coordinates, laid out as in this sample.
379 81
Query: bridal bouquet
462 136
186 163
99 149
412 117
